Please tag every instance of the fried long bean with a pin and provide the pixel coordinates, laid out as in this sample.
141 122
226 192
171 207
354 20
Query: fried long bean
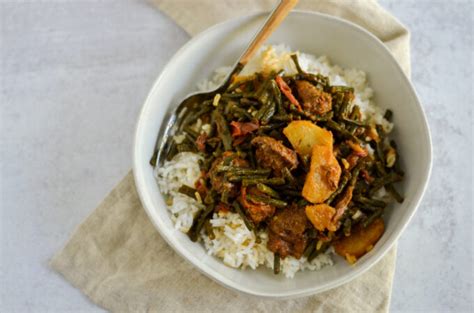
223 130
198 222
276 263
394 193
275 202
239 178
372 217
371 202
242 171
239 210
267 190
341 131
344 180
188 191
275 181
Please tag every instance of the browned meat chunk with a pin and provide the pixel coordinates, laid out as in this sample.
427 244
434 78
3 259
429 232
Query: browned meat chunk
219 183
286 233
314 100
285 248
271 153
257 211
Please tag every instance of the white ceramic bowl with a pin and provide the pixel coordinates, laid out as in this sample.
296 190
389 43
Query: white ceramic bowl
347 45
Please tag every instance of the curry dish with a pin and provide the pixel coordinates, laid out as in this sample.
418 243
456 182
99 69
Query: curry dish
292 155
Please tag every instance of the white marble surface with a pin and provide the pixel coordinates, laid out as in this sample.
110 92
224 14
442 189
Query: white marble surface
73 77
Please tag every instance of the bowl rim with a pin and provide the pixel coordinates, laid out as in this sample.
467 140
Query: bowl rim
217 277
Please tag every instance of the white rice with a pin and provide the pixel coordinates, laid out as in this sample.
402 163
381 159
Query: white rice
234 243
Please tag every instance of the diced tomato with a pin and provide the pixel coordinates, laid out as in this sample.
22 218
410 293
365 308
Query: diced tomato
222 207
242 129
201 142
287 92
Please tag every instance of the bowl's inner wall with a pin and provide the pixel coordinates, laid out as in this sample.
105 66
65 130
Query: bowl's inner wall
309 33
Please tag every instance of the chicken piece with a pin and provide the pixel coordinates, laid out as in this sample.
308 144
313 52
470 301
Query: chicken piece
321 216
272 154
219 183
303 135
258 211
323 176
286 232
361 240
315 101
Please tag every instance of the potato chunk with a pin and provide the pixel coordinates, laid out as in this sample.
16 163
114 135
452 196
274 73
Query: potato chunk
323 176
320 215
361 240
303 135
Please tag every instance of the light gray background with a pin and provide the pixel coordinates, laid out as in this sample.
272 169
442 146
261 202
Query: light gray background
73 77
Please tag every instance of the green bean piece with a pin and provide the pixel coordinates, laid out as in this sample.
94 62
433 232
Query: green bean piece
194 134
225 196
341 131
309 249
347 225
277 97
388 115
263 89
240 178
209 229
268 127
188 191
232 95
384 181
199 221
291 192
341 89
302 202
317 252
183 147
355 114
172 150
239 111
276 181
270 110
356 170
275 202
394 193
282 117
294 57
192 117
342 183
305 162
355 123
153 158
242 171
223 130
209 199
239 210
267 190
276 263
246 102
372 217
371 202
288 176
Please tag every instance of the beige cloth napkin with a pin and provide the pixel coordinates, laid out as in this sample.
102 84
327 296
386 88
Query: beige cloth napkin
118 259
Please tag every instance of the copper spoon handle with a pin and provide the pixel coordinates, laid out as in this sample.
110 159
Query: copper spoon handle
277 16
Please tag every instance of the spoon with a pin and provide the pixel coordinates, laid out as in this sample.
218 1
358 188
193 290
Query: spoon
275 18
